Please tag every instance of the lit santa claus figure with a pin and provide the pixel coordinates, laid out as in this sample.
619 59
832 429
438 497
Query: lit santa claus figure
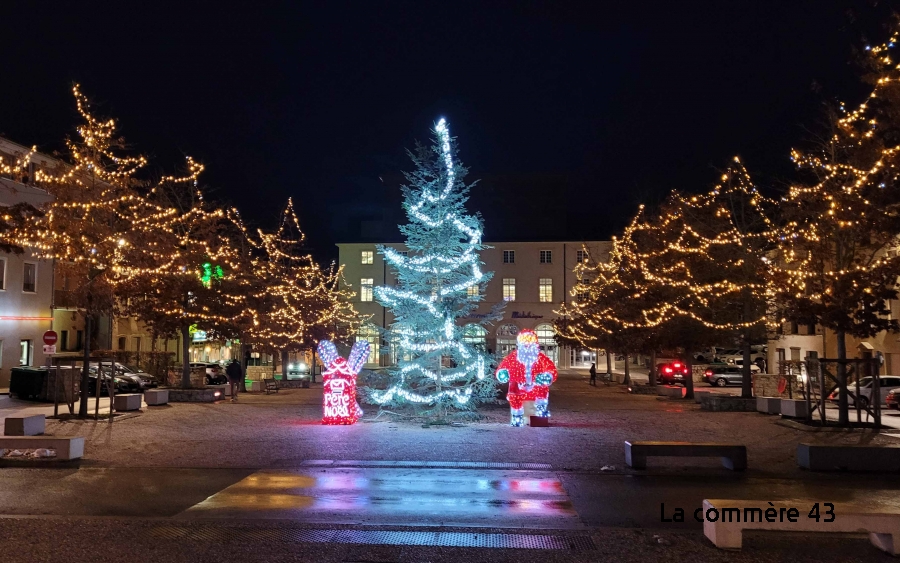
530 374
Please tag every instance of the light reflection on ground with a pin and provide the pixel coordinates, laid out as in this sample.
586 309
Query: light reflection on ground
391 495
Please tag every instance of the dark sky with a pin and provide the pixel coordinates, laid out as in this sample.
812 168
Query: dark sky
570 112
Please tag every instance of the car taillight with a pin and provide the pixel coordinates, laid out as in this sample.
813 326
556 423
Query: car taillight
709 373
833 395
667 370
676 365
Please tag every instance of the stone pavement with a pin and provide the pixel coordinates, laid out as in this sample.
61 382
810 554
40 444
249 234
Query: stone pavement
263 480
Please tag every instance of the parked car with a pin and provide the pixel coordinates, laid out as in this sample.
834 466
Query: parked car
296 370
892 400
122 385
705 356
754 367
137 379
672 372
215 374
886 384
722 375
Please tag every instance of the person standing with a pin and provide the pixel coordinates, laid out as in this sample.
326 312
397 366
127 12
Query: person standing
594 374
235 374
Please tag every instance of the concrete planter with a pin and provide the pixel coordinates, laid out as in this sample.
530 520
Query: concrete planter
25 425
128 402
256 387
699 393
768 405
727 403
156 397
192 396
643 390
793 408
223 389
5 401
670 391
294 383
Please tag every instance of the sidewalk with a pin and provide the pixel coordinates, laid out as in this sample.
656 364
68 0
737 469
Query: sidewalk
18 407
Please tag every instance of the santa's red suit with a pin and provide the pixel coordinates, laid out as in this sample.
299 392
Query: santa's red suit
517 387
529 373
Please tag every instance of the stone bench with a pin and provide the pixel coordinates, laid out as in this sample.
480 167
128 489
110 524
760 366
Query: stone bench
127 402
66 448
794 408
726 532
828 457
255 386
154 397
700 393
670 391
734 456
5 401
25 425
768 405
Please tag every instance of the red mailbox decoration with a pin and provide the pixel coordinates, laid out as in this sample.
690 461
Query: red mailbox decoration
339 405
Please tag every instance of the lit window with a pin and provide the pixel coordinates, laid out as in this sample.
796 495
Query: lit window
369 333
509 289
29 281
581 256
368 256
546 290
509 256
546 256
472 291
366 285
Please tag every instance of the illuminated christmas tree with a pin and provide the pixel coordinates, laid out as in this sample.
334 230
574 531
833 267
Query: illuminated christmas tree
295 302
837 263
439 282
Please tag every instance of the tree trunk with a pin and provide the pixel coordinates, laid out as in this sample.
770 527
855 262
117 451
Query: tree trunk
843 399
185 358
609 365
284 365
627 380
689 378
85 377
651 377
746 376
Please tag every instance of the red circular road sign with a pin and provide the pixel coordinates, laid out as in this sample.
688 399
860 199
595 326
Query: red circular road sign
50 338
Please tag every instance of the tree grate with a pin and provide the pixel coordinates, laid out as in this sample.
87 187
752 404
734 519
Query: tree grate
375 537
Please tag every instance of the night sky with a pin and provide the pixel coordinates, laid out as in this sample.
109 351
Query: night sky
570 113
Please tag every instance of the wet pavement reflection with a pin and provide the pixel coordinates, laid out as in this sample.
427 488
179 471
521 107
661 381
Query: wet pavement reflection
439 497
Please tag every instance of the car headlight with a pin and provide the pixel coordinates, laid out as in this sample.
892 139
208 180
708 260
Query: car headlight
302 367
292 366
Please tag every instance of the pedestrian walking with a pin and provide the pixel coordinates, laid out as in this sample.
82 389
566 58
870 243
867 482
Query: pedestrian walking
594 374
235 374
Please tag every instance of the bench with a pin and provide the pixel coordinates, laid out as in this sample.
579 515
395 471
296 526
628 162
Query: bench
837 457
271 385
726 533
66 448
128 402
5 401
25 425
734 456
155 397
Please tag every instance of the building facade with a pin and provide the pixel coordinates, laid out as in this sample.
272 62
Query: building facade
532 279
26 282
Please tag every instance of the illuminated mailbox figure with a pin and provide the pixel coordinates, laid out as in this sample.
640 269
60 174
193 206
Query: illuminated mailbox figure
339 405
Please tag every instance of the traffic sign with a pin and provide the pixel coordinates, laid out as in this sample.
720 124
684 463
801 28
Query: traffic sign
50 337
49 348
